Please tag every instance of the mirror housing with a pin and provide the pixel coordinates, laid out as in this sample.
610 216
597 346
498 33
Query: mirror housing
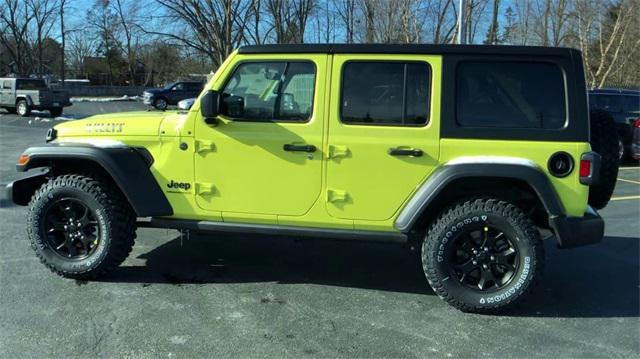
210 107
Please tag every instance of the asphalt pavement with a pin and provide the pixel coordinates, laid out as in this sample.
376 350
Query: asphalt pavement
247 296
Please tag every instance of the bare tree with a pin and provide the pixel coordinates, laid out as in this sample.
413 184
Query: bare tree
606 37
127 12
213 28
289 18
492 33
44 14
81 46
15 19
346 11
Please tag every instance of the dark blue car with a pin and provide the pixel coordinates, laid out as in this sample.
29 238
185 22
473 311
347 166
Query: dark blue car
624 106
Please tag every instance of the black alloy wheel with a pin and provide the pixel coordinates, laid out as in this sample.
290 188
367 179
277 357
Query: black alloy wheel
484 258
71 229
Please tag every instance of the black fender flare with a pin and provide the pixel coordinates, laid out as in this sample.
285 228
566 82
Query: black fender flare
521 170
129 167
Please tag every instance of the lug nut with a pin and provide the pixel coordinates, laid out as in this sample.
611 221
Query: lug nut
474 262
493 258
485 266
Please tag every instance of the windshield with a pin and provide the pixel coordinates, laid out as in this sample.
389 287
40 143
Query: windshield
169 86
31 85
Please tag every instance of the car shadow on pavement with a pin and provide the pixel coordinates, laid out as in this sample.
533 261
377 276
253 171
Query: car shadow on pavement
595 281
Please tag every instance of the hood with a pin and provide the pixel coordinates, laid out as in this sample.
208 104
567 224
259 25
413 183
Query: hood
154 90
142 123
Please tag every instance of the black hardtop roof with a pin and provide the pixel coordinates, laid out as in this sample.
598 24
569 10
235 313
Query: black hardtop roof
407 49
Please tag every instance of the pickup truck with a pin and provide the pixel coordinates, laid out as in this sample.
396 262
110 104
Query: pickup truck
22 95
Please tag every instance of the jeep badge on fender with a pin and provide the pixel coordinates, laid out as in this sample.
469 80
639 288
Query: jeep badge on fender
179 185
452 149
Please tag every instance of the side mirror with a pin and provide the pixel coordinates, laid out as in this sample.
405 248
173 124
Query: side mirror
210 107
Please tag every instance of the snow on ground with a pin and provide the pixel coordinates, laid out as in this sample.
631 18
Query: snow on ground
106 99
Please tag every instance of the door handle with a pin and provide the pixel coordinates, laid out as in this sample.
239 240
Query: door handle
299 148
396 151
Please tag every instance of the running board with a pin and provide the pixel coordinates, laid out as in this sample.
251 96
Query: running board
225 227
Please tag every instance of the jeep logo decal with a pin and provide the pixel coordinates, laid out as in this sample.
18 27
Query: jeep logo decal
179 185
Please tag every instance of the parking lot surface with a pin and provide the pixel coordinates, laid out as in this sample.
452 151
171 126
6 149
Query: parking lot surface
244 296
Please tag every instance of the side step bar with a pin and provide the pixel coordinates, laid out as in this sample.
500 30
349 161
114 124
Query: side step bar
225 227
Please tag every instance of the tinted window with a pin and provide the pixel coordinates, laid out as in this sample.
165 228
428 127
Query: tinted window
609 103
631 103
378 93
510 95
193 86
6 85
30 85
270 91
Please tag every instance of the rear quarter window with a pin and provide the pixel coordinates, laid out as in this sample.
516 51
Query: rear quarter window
501 94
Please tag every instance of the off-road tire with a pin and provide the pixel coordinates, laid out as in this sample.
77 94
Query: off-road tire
23 111
56 111
452 224
160 104
604 141
114 214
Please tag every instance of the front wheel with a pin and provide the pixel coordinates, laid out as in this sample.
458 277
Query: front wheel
80 227
482 255
160 104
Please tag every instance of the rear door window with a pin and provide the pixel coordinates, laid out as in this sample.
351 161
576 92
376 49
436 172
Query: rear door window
385 93
510 95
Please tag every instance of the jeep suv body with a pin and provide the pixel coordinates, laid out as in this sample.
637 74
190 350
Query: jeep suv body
171 94
462 151
22 95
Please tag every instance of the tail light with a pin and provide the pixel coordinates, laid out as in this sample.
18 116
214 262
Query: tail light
589 168
636 123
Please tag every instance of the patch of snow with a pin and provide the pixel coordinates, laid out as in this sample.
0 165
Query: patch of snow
106 99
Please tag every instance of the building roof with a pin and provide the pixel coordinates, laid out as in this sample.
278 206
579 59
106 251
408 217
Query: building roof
406 49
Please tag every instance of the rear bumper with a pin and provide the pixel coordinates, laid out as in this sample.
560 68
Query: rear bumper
578 231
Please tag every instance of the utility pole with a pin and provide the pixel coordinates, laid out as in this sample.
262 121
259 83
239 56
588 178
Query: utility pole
461 34
63 38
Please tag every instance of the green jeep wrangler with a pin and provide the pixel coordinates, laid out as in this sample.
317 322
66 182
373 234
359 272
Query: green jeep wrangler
467 152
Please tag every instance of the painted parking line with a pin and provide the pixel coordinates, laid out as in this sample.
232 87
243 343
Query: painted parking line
628 180
624 198
628 168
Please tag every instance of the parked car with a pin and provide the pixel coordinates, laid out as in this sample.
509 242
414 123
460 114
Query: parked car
22 95
624 106
161 98
462 152
186 104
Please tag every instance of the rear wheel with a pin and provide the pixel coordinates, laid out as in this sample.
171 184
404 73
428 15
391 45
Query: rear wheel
80 227
482 255
56 111
22 108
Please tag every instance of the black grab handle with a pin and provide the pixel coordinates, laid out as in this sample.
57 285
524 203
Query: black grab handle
415 152
299 148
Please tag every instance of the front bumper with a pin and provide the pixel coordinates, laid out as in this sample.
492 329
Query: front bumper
147 100
578 231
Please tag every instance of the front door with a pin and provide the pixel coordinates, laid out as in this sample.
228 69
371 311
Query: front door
264 156
383 132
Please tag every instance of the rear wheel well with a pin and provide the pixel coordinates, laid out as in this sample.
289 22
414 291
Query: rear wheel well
515 191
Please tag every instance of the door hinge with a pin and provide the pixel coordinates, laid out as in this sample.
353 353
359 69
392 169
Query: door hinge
336 151
202 147
336 195
204 188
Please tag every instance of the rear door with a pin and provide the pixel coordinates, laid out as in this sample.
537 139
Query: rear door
383 132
